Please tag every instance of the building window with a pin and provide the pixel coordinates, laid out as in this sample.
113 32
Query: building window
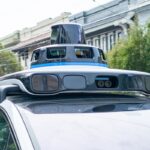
111 42
25 62
19 57
89 42
103 43
26 54
119 35
96 42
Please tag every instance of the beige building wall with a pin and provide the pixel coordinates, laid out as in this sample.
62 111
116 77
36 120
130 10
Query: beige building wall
42 27
10 39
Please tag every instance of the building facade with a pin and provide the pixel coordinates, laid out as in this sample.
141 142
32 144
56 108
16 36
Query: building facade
25 41
10 40
105 24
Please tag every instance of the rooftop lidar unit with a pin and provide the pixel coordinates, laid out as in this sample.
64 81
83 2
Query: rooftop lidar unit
68 47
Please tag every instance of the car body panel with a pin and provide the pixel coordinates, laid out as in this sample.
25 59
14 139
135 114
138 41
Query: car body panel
76 131
77 69
19 127
92 131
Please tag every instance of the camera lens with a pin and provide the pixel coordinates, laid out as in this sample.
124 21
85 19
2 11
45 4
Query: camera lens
101 84
108 84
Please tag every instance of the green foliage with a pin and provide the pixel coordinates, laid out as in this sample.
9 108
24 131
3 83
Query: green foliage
133 52
1 46
8 63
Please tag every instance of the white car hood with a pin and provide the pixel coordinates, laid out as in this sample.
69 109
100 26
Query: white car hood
92 131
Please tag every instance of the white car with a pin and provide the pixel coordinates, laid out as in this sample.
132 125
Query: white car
75 108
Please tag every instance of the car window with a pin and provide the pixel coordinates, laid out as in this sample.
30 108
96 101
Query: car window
7 141
35 55
57 52
102 56
84 52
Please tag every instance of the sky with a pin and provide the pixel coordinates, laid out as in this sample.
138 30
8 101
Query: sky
18 14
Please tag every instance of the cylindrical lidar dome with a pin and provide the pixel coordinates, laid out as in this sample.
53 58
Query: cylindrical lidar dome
67 34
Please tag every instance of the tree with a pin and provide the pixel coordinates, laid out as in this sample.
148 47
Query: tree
8 62
132 52
1 46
